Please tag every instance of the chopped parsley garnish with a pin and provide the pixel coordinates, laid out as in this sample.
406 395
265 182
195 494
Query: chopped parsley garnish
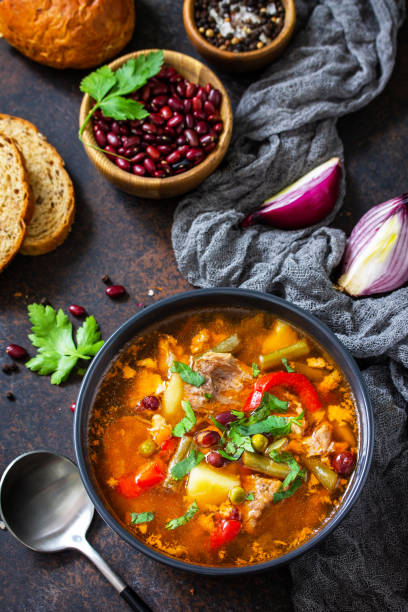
287 366
250 497
182 520
137 518
186 422
255 370
52 335
293 480
185 466
208 396
187 374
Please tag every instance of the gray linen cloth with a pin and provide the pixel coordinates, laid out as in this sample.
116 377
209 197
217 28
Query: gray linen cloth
285 124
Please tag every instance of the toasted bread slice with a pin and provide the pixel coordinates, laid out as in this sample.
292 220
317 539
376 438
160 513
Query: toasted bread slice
16 203
54 203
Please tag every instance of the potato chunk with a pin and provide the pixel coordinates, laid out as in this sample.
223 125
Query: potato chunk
210 486
172 396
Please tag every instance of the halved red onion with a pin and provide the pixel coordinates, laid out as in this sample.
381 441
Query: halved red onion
304 203
376 255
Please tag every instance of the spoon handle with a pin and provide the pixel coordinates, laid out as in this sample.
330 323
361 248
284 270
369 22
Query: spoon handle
124 590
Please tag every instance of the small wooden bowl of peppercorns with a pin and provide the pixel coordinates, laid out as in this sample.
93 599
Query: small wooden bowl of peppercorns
180 143
239 35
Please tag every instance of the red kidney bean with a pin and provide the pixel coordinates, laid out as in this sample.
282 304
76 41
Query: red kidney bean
73 407
218 127
100 138
199 115
206 140
201 128
149 138
159 173
138 170
175 120
187 105
207 88
104 126
210 147
197 103
195 155
189 119
137 158
170 71
206 438
180 140
201 93
214 97
164 149
190 90
159 101
213 118
145 93
110 149
166 112
180 129
150 402
181 166
183 149
121 151
130 141
173 158
123 130
149 165
131 151
115 291
153 152
115 127
135 123
181 90
344 463
209 108
123 164
175 103
215 459
113 139
169 131
16 351
192 138
77 311
157 118
159 88
165 166
149 128
225 417
175 77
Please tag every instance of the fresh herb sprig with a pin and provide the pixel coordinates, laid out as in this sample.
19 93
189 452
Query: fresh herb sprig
138 518
293 480
109 88
182 520
187 374
186 422
183 467
52 335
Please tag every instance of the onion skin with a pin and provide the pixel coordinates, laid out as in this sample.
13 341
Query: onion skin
376 256
304 203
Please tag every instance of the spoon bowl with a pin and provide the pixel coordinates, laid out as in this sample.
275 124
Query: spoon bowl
44 504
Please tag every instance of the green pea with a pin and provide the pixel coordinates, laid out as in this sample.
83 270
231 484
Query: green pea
237 495
259 442
147 448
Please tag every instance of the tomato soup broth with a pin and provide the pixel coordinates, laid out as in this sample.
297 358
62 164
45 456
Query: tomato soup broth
223 437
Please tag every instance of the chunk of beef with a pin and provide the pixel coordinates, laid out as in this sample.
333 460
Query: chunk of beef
320 440
263 490
224 378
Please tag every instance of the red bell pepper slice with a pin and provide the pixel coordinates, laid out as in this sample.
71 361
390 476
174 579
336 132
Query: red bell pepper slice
132 485
224 532
168 447
294 381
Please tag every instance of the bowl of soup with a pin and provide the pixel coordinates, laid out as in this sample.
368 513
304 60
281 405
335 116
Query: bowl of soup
223 431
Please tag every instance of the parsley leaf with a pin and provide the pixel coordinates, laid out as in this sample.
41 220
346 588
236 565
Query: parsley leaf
250 497
182 520
98 83
123 108
186 422
185 466
137 518
255 370
237 454
285 363
208 396
293 480
274 425
52 335
187 374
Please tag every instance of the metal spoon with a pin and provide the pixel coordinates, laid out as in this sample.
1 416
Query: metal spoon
44 504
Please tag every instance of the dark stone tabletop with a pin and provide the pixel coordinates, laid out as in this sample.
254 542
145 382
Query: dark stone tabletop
129 239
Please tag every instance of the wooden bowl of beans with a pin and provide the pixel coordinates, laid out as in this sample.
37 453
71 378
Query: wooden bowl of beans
239 36
178 145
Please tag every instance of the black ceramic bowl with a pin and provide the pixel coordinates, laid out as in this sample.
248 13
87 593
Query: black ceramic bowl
223 297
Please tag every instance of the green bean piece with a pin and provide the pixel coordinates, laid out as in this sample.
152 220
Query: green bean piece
314 374
277 445
181 452
325 475
262 464
228 345
294 351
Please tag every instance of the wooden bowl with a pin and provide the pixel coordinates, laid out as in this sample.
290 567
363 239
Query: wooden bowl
158 188
244 61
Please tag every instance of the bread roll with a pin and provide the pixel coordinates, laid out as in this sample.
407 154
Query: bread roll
68 33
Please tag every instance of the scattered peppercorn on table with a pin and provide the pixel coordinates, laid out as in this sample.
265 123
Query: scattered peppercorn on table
114 234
